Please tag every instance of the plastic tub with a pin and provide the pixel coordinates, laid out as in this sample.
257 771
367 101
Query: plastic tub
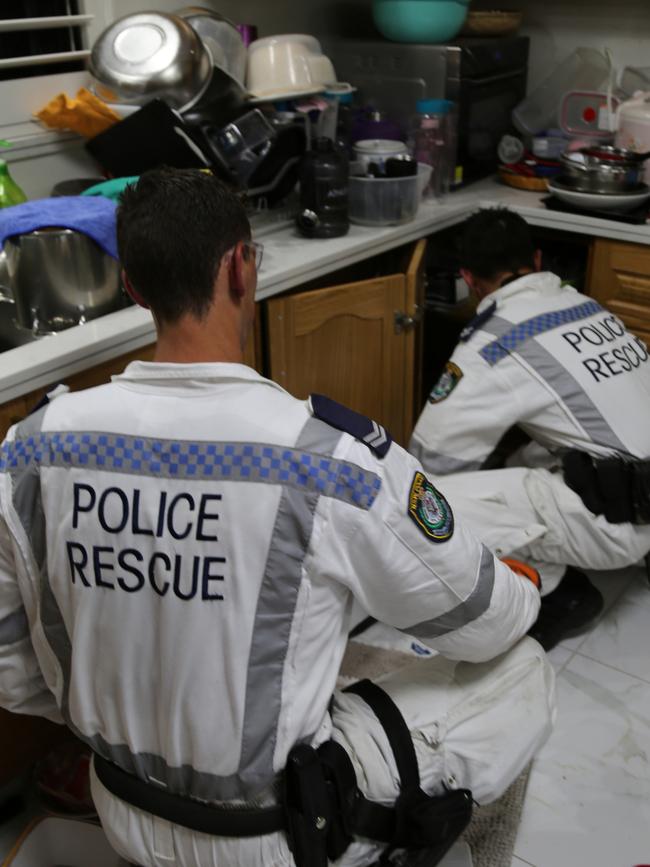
386 201
419 20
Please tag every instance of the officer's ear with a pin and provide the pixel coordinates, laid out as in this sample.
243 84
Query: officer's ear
133 293
537 260
239 266
469 278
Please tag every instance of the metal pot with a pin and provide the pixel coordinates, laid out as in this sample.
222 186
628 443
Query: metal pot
602 169
147 55
60 278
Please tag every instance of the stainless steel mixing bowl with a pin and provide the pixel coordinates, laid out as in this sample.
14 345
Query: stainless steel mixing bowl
147 55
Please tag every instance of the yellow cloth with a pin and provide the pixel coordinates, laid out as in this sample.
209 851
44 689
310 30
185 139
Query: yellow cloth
85 114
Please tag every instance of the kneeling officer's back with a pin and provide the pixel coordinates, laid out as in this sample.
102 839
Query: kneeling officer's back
179 550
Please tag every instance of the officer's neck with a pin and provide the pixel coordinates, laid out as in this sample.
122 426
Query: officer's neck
217 337
483 288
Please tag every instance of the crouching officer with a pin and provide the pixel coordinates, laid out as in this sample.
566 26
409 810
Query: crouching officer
179 552
569 374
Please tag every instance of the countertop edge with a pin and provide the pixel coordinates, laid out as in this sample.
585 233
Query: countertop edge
290 261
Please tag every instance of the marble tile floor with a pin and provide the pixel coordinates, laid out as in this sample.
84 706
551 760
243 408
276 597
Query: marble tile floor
588 798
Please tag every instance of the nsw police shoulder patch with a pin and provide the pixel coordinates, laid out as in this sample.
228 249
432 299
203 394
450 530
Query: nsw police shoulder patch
430 510
450 378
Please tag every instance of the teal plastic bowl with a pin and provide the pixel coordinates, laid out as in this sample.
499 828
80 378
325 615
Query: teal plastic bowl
419 20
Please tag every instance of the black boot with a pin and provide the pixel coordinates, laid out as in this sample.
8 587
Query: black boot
570 609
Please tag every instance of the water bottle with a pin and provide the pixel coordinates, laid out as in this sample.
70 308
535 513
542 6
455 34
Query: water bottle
430 142
323 176
10 192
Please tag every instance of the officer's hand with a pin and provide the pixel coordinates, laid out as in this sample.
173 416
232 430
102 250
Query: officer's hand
524 570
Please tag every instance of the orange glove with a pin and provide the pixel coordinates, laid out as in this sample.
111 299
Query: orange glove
524 570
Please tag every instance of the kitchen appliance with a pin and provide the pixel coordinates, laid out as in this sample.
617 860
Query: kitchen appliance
60 278
485 78
634 126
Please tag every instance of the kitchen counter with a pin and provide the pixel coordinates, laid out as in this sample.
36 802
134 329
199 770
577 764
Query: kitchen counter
289 261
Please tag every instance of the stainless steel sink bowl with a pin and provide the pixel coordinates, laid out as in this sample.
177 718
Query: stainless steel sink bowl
12 335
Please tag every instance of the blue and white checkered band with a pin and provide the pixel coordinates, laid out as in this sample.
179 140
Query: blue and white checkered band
182 459
524 331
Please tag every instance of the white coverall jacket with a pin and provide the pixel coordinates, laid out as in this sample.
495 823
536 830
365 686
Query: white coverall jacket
544 357
179 552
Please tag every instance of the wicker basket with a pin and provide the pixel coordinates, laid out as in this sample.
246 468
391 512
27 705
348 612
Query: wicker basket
491 23
522 182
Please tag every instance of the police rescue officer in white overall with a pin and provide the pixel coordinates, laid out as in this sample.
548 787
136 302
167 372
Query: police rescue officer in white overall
179 553
554 363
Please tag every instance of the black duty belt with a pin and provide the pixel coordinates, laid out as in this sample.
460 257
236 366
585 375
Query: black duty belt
617 488
198 816
322 808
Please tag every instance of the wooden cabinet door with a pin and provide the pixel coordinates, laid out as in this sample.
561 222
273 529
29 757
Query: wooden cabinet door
619 278
346 342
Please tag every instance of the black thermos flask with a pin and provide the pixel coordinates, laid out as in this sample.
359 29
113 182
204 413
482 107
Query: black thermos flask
323 178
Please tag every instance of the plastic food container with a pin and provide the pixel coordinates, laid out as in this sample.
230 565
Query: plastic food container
584 69
386 201
52 841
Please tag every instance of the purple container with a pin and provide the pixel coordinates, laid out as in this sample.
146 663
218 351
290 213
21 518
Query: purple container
248 33
370 124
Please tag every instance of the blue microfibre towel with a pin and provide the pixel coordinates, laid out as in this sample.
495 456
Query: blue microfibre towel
92 215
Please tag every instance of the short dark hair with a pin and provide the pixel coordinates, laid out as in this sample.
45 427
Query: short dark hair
173 228
494 241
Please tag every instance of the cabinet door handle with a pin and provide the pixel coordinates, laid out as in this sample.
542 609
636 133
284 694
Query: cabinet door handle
403 322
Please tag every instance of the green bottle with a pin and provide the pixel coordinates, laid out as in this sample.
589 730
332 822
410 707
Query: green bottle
10 192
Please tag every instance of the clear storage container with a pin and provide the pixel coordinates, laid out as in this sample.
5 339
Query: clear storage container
583 69
387 201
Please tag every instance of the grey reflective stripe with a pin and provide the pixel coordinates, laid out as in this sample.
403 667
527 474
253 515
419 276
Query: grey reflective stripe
564 384
435 463
271 636
193 461
13 627
525 330
574 397
476 604
274 618
26 488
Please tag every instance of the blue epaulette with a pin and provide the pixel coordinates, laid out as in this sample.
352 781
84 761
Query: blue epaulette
364 429
475 324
